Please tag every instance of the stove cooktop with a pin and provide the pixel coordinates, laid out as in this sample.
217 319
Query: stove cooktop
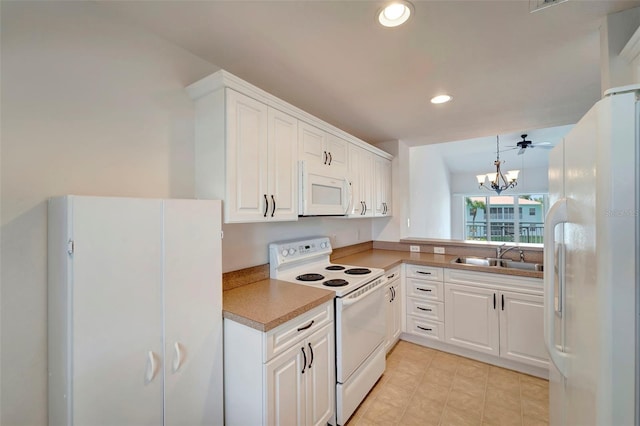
342 279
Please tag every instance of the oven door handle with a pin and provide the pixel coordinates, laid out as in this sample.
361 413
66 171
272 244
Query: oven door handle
348 301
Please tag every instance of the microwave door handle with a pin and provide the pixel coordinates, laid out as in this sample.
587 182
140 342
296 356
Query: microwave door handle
350 195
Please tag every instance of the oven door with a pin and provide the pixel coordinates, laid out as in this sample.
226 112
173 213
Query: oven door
360 329
322 193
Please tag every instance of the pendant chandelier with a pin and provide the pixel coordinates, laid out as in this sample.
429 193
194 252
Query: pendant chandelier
497 181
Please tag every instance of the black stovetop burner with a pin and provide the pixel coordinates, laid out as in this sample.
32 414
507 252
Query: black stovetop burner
338 282
358 271
310 277
335 268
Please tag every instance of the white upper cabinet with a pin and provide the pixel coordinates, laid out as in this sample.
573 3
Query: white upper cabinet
323 148
283 166
382 186
246 153
247 185
248 144
361 177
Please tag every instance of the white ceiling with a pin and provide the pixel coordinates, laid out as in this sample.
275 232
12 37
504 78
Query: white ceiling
509 70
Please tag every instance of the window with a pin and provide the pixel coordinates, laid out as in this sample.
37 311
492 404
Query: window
501 223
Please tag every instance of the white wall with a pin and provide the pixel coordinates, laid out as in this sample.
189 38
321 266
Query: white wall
430 194
615 32
93 105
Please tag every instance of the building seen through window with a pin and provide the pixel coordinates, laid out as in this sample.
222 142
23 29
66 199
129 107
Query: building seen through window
494 218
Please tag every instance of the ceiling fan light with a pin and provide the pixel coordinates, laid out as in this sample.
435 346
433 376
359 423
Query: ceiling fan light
395 14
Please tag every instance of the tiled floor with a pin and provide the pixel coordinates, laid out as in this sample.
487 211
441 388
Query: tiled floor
422 386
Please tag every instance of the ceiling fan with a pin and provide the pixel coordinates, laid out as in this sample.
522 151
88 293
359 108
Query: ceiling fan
524 144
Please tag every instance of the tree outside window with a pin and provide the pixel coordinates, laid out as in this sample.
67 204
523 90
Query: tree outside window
502 223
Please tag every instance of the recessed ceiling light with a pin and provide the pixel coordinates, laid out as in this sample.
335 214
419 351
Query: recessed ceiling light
440 99
395 13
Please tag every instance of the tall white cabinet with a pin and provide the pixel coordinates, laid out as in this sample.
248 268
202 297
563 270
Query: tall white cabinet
135 311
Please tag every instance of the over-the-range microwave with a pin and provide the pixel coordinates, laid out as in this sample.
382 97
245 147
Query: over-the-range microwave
322 191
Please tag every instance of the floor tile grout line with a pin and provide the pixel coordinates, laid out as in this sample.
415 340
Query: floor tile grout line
415 390
444 407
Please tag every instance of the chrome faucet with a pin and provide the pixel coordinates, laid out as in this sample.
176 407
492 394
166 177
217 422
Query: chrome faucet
500 251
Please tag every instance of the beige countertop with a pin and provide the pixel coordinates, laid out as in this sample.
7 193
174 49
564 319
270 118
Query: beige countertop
387 259
265 304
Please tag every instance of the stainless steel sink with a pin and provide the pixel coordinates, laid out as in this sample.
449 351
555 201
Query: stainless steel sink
478 261
499 263
527 266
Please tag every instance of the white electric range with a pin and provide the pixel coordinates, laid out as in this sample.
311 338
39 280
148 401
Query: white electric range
359 310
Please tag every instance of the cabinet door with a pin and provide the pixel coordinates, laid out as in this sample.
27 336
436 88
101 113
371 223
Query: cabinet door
117 311
337 150
312 144
320 377
285 387
382 186
397 311
247 192
471 318
193 306
365 181
389 316
283 166
521 328
354 178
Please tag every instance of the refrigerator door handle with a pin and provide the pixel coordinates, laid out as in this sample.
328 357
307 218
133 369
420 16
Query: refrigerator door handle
557 215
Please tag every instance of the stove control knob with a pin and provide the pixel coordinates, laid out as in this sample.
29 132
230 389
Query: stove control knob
323 245
291 252
285 252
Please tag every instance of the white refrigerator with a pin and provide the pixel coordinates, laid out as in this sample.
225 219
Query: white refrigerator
591 292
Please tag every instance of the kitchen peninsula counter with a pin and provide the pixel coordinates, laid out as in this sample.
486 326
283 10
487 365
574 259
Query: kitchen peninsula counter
266 304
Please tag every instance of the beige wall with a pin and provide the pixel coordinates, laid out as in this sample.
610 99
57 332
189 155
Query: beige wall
93 105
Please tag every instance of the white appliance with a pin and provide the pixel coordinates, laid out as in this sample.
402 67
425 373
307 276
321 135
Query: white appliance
359 310
135 311
591 292
322 192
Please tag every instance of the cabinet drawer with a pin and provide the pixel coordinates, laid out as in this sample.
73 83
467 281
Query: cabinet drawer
422 289
285 335
393 273
425 328
426 309
425 272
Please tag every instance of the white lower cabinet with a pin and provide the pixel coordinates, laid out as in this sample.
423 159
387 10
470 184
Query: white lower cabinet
285 376
425 301
393 299
486 314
